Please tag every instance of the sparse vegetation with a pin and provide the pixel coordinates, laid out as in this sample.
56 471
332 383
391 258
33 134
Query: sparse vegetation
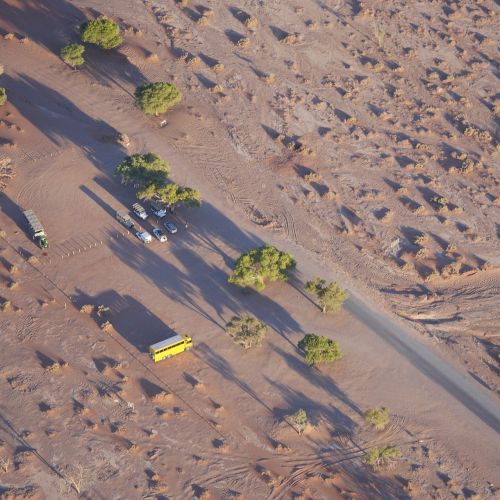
298 420
378 418
157 97
330 297
143 169
262 264
72 54
246 331
319 349
381 456
102 32
3 96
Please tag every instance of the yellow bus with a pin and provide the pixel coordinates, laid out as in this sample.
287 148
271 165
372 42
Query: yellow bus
170 347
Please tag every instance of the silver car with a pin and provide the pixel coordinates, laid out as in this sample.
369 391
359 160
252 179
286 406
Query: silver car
159 234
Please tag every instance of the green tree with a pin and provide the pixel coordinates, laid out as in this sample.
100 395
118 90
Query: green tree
256 266
379 418
319 349
330 297
72 54
3 96
381 456
103 32
298 420
246 331
143 169
156 98
171 194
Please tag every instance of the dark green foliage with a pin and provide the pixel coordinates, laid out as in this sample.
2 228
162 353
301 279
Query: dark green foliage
330 297
319 349
256 266
246 331
103 32
171 194
72 54
378 418
156 98
381 456
145 170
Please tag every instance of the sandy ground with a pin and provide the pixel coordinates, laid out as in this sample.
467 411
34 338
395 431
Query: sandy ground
330 142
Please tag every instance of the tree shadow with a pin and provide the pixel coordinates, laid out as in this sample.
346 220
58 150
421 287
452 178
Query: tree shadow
317 378
60 119
50 23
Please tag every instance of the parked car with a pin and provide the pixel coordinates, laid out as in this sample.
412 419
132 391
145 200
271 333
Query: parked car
158 209
144 236
125 219
159 234
170 227
139 211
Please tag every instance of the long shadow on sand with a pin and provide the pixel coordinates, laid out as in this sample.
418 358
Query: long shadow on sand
61 120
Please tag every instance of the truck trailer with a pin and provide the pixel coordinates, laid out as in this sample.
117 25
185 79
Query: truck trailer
36 229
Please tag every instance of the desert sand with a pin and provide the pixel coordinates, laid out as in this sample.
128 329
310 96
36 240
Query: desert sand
359 136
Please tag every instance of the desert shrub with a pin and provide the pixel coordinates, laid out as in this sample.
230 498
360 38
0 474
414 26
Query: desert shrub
171 194
143 169
378 418
246 331
253 268
158 97
3 96
1 69
319 349
103 32
298 420
381 456
330 297
72 54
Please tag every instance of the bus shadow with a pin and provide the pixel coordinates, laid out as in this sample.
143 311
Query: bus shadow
131 319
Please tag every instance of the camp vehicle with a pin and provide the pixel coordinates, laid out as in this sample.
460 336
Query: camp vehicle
158 209
36 229
139 211
159 235
125 219
170 347
170 227
144 236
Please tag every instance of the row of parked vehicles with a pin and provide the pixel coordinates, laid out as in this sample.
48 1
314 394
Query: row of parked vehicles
156 209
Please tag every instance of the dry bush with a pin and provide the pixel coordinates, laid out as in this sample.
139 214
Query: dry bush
251 22
298 420
106 326
87 309
242 42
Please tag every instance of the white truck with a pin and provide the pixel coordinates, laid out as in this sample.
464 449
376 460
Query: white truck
139 211
36 229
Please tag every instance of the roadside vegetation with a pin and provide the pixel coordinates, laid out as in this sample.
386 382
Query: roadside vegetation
246 331
378 418
319 349
72 54
171 195
381 456
155 98
330 297
149 174
256 267
102 32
